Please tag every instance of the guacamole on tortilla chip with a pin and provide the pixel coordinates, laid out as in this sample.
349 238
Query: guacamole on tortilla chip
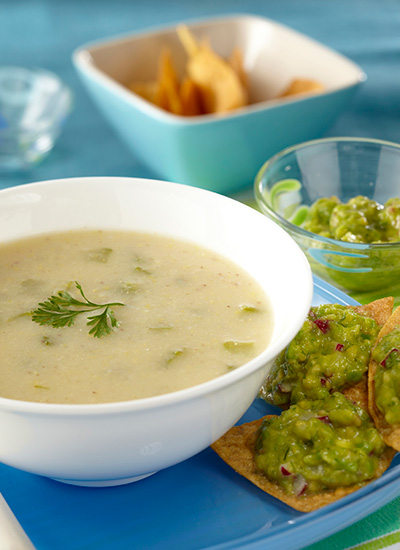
311 455
324 445
330 352
384 381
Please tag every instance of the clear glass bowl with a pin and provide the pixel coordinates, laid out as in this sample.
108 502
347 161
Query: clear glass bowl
293 179
33 107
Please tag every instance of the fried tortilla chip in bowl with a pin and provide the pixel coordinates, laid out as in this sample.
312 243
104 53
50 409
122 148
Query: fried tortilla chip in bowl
262 87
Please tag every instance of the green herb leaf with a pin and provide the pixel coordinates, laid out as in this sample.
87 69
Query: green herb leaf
102 323
56 312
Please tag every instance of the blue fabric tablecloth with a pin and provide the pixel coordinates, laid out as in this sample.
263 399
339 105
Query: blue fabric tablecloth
44 33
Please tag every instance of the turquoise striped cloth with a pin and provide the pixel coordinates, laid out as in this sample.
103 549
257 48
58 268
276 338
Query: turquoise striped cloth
379 531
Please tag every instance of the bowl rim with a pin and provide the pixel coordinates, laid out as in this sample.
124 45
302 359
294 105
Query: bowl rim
172 398
291 227
81 58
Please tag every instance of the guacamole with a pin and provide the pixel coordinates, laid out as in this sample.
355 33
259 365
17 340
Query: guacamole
330 351
387 376
319 445
364 223
360 220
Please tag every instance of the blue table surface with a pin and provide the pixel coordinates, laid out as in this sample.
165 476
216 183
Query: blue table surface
44 33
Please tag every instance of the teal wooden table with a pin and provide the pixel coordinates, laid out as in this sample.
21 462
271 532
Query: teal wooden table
44 33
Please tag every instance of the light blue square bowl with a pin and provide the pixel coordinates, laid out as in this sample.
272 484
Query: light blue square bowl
221 153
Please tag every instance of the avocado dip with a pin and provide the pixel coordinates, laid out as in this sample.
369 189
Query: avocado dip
330 351
387 376
360 220
319 445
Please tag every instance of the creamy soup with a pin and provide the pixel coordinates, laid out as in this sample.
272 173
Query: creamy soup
187 315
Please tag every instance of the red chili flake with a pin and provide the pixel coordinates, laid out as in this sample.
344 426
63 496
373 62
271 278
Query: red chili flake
339 347
324 419
383 363
322 325
323 381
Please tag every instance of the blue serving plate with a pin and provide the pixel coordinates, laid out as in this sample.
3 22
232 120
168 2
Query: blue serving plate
198 504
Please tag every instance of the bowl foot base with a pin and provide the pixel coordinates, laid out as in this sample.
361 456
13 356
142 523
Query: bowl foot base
104 482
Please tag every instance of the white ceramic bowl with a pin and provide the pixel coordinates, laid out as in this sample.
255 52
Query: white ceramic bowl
109 444
220 153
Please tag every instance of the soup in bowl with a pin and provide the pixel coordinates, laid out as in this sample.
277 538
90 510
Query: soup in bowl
138 320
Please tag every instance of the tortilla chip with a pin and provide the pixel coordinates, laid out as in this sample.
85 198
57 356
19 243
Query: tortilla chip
169 84
379 310
190 98
187 39
236 448
389 432
160 98
303 86
219 83
358 393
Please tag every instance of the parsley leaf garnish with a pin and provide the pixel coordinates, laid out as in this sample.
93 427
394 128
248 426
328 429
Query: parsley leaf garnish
56 312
